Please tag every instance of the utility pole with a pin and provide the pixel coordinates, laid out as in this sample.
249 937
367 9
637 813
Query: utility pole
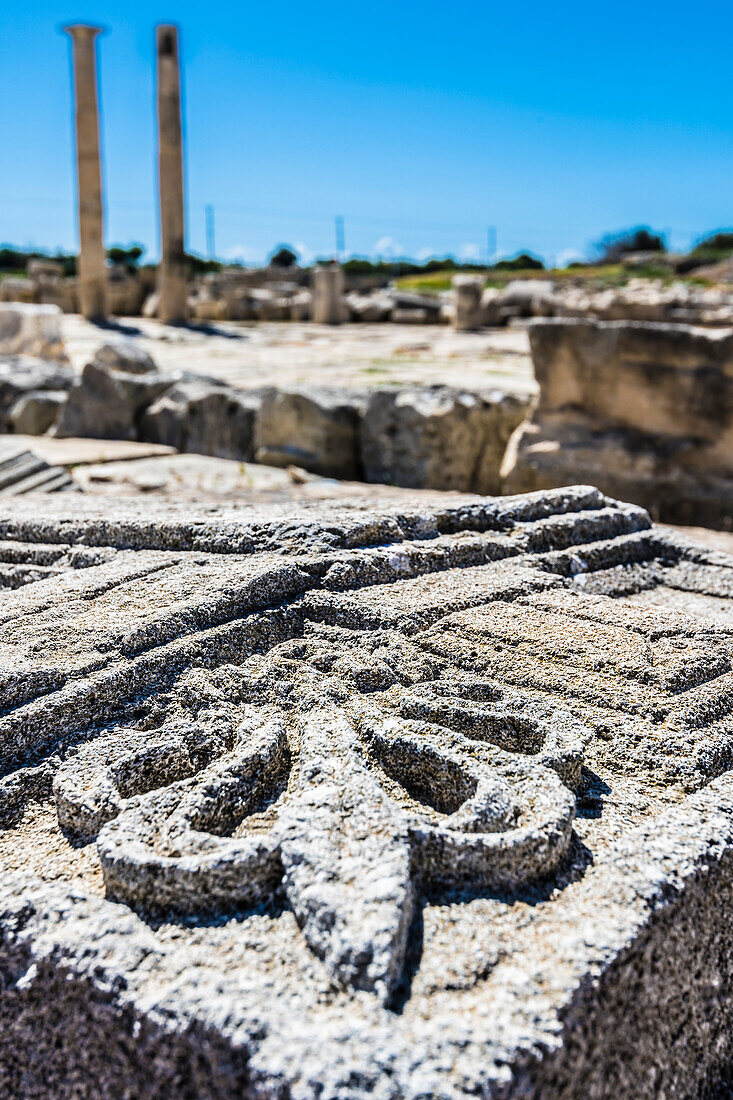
340 238
210 233
491 244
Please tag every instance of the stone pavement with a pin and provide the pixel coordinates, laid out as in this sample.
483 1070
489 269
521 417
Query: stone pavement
360 800
295 354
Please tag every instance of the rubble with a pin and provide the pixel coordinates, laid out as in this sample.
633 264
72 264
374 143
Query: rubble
437 437
114 389
204 417
645 410
31 330
313 427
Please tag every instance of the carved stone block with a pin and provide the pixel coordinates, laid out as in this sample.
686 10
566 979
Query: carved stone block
337 803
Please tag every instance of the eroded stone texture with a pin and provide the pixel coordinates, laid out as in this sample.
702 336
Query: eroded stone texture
644 410
312 427
110 397
347 803
438 437
31 330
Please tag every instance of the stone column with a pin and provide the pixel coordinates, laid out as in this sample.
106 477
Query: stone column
328 289
172 283
92 265
467 291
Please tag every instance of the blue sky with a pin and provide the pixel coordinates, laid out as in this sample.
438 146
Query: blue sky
422 123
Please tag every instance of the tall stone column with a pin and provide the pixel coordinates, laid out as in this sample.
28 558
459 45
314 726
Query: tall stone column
172 283
92 265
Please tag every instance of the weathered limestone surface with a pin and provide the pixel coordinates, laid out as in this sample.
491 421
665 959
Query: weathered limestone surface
438 437
645 410
204 416
341 803
31 330
114 389
313 427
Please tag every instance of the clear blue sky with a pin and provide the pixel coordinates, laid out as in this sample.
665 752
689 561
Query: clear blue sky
422 123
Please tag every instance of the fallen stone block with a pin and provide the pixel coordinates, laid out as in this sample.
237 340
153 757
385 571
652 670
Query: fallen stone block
21 375
300 306
408 802
204 417
641 408
437 437
315 428
528 298
59 293
31 330
414 316
112 393
18 289
407 299
35 412
372 308
21 472
209 309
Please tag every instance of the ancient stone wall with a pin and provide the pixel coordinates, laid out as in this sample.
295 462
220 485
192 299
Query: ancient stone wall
642 409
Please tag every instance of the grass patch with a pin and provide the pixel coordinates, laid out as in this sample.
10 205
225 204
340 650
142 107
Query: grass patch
596 276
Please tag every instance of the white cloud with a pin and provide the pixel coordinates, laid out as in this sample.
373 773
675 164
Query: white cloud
388 246
469 252
306 255
425 254
241 253
568 256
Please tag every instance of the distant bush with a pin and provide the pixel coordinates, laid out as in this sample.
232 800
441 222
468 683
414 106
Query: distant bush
284 256
523 262
14 260
708 250
125 257
614 246
197 265
721 243
361 265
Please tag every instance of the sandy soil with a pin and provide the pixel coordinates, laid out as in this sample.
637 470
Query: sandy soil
266 353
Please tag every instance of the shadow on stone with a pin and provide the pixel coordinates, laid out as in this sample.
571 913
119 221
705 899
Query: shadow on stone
119 327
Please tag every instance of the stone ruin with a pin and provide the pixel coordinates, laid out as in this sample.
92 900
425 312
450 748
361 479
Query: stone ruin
290 294
644 410
438 437
399 803
474 306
